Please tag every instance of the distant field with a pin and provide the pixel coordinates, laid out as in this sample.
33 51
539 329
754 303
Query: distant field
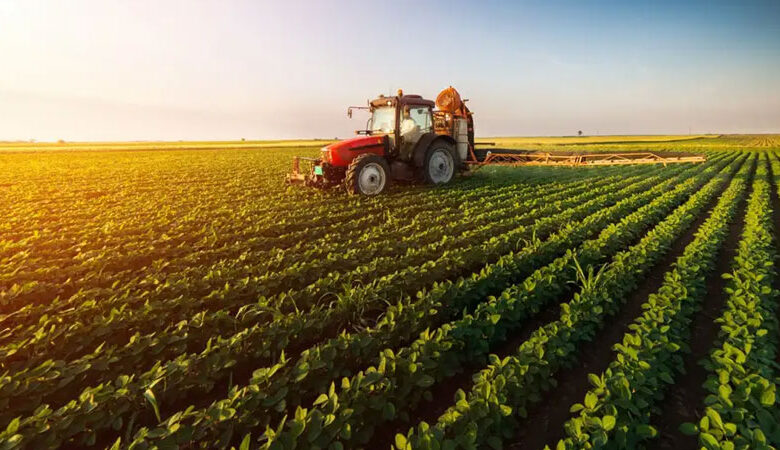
186 297
163 145
590 143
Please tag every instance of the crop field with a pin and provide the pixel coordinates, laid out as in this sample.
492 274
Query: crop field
180 295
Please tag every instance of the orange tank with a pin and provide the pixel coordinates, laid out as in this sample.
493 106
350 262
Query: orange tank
449 101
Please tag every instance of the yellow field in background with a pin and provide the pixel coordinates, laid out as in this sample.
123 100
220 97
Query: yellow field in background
159 145
611 143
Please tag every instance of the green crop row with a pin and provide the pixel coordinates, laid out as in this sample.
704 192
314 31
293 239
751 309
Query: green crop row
117 252
250 252
285 386
27 387
115 404
407 375
187 300
616 411
94 273
742 410
165 304
502 392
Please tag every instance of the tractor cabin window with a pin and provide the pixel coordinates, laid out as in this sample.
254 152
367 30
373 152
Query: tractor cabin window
422 117
383 119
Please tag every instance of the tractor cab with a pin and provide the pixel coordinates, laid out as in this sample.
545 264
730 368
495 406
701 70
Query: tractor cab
404 139
404 119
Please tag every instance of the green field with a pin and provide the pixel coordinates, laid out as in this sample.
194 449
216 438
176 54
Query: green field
180 295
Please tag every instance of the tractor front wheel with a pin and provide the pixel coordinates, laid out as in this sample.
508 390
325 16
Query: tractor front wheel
368 174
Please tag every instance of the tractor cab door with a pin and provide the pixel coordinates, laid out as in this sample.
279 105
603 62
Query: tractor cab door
415 121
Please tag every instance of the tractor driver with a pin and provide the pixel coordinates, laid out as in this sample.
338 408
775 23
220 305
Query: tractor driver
410 133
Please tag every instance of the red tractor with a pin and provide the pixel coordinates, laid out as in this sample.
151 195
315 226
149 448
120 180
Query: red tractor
405 139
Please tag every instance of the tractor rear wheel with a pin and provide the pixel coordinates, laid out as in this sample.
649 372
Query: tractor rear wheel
368 174
440 163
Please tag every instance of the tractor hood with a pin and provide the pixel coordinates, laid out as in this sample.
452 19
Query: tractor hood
341 153
355 142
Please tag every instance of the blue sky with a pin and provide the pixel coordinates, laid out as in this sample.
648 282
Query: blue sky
100 70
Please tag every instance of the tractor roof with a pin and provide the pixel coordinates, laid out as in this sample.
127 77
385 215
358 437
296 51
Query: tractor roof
402 101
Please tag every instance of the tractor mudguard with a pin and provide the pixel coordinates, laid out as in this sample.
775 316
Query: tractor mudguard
424 143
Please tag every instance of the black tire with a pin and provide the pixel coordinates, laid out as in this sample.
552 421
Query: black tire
439 155
368 174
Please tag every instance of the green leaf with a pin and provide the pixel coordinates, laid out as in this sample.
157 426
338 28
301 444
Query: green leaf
590 400
709 441
346 431
245 442
646 431
321 399
506 410
689 429
401 442
768 398
388 411
314 429
608 422
149 395
296 427
300 414
13 441
12 426
724 391
714 417
426 381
